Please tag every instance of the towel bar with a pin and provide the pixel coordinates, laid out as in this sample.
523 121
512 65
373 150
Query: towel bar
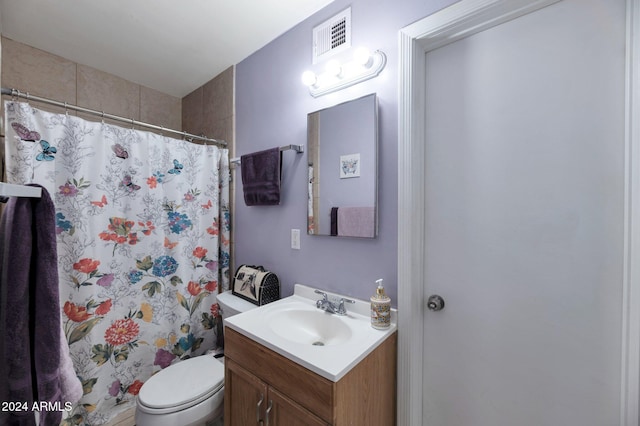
14 190
297 148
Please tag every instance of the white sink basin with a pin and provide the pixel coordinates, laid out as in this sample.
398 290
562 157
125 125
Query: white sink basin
327 344
316 328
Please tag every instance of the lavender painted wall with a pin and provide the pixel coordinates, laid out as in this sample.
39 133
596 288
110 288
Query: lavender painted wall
271 110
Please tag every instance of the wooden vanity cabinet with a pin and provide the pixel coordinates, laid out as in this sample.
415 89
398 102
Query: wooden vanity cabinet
263 387
251 401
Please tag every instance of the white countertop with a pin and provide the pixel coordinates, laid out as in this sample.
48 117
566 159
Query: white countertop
332 361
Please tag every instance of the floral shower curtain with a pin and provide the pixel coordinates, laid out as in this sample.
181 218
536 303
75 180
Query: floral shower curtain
142 224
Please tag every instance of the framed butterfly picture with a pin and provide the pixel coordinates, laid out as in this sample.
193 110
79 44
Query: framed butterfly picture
349 166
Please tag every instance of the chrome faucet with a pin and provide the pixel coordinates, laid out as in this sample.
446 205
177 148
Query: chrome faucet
332 307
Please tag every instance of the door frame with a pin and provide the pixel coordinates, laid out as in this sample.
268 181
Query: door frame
457 21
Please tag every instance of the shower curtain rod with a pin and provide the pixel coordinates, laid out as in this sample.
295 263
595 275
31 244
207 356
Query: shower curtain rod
185 135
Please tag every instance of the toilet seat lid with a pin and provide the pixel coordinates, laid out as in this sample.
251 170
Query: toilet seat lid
183 382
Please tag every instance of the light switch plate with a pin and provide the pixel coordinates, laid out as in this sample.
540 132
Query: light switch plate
295 239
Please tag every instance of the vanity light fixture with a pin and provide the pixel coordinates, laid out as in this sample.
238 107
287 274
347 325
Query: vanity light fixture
336 76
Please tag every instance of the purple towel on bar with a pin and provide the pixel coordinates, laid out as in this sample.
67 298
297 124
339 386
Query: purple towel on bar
261 177
29 309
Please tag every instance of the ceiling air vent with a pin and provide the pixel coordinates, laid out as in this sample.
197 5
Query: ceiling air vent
332 36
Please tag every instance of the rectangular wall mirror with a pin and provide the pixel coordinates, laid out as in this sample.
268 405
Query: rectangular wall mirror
343 169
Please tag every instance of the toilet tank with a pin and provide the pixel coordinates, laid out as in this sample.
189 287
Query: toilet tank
231 305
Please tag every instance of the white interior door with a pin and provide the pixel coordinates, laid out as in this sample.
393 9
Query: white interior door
524 164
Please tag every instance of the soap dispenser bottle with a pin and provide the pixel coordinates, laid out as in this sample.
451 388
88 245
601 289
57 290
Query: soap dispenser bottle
380 308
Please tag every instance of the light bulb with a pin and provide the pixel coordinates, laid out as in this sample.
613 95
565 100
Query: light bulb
309 78
333 67
362 56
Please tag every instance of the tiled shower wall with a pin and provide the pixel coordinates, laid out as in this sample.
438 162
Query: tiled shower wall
50 76
209 109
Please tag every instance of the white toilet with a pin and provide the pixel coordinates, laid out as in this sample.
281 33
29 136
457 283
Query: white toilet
189 392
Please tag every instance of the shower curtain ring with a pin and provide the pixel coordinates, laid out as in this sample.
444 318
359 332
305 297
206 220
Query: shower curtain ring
132 124
102 117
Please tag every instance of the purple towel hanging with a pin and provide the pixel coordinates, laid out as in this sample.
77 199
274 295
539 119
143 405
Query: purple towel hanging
261 173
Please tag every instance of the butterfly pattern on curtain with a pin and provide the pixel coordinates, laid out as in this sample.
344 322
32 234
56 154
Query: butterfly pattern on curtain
142 225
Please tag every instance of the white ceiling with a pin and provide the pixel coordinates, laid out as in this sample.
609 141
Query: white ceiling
173 46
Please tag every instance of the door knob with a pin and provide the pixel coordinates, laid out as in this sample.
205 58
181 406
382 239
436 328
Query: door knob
435 303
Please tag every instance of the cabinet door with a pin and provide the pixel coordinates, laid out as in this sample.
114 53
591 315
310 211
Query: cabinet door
282 411
245 396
